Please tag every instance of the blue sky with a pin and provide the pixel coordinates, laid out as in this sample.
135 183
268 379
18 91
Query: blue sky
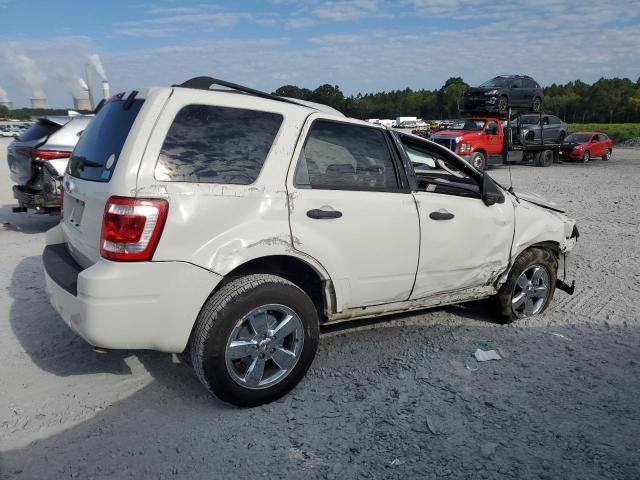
360 45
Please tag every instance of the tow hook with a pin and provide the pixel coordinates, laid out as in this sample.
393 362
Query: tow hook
560 285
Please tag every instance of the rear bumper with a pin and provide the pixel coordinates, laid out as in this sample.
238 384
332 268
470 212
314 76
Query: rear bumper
119 305
36 199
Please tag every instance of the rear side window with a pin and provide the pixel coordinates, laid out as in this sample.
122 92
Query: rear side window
346 157
100 144
42 129
208 144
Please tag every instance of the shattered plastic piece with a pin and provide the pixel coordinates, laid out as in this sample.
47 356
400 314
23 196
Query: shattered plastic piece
396 462
560 335
483 356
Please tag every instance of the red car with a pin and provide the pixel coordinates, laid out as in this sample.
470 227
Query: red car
586 145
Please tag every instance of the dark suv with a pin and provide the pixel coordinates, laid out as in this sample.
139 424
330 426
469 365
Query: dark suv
504 91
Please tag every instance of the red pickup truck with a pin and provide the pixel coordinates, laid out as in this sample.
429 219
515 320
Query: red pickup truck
475 139
481 141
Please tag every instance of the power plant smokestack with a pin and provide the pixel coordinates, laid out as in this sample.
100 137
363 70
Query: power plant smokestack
4 99
39 103
87 78
81 104
105 90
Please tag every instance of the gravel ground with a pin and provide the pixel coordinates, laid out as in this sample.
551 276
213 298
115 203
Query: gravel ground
396 398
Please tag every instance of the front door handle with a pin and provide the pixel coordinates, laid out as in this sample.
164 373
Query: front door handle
441 215
318 214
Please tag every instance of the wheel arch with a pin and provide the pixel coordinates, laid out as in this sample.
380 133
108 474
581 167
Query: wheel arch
312 279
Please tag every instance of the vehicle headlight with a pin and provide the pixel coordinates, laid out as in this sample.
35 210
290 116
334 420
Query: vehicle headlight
491 92
465 147
578 147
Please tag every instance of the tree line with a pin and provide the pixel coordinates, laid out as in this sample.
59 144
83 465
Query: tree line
609 100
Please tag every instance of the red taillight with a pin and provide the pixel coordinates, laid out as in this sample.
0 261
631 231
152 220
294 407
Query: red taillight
48 154
131 228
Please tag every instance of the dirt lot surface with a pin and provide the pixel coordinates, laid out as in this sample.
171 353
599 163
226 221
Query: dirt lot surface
400 398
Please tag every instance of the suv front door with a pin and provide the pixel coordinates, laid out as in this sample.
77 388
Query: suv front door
464 243
349 210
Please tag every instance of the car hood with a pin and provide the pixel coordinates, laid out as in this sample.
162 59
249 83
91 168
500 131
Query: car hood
539 201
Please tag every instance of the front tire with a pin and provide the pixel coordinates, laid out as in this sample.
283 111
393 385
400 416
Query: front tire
254 340
530 286
503 104
479 161
586 156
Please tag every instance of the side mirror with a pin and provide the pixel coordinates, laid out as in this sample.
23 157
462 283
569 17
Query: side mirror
594 140
491 193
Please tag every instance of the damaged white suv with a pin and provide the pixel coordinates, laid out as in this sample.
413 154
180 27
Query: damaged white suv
230 224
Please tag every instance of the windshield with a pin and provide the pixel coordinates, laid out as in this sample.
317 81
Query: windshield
530 119
578 138
497 82
99 147
472 125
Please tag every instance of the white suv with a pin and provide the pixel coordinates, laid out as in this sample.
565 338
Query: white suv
230 224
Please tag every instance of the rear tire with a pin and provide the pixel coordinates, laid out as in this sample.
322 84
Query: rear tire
607 155
479 161
561 137
544 158
240 350
529 287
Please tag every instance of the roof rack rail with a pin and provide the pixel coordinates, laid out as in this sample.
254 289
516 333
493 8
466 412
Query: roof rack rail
204 83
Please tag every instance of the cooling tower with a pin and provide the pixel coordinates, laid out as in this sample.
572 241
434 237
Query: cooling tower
81 104
39 103
105 90
6 103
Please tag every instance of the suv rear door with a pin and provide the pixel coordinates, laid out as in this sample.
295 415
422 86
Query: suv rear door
351 210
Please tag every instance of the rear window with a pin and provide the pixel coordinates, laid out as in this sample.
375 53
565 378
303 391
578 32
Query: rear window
42 129
99 147
208 144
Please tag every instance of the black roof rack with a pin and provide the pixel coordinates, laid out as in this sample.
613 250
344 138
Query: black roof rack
204 83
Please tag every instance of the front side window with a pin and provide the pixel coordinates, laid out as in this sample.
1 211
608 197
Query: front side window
345 157
210 144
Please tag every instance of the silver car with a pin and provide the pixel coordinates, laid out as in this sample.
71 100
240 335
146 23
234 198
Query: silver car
38 160
550 127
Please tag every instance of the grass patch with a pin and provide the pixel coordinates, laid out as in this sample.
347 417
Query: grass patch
618 132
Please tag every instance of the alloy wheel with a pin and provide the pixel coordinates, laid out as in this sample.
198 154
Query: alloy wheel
531 291
264 346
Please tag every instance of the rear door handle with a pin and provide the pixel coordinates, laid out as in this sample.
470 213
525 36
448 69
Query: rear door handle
318 214
441 215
